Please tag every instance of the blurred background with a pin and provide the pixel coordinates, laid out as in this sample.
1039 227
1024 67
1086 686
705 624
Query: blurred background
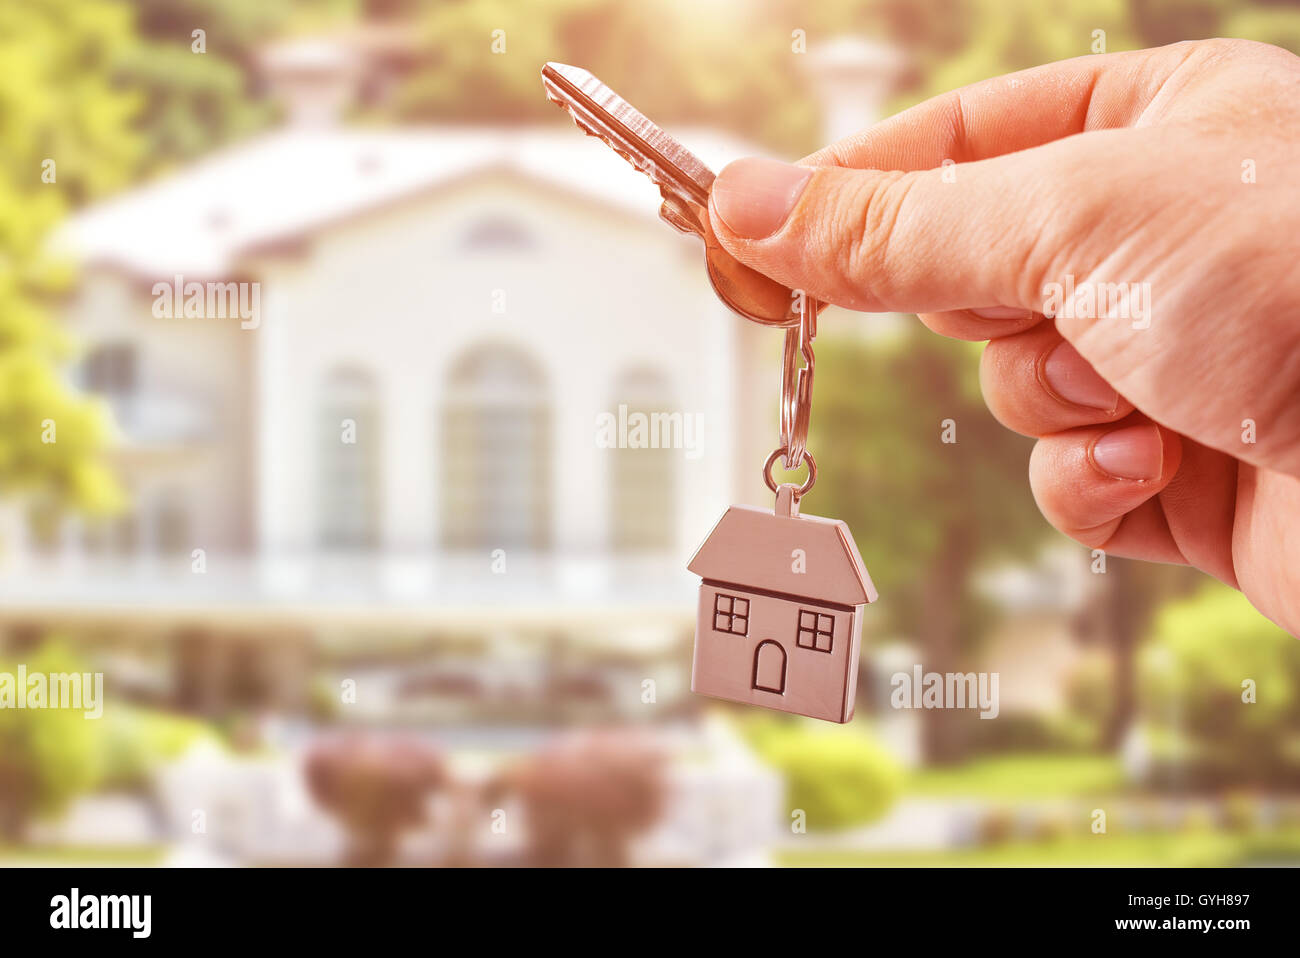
366 583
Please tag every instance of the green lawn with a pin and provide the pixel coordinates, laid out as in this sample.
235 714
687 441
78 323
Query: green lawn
1014 780
1020 778
1195 849
63 855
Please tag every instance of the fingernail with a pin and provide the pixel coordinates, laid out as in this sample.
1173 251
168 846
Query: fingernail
1072 378
754 196
1134 452
1002 312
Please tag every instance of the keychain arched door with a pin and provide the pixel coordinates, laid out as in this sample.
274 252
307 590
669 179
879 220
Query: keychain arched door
769 667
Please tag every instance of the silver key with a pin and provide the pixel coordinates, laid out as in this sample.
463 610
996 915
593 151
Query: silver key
684 183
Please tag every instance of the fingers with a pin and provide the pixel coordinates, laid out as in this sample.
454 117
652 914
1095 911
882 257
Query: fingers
1200 508
1013 112
1037 384
1097 485
1187 515
1098 469
976 325
1130 488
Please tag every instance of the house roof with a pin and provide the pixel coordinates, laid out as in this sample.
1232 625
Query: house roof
754 547
282 185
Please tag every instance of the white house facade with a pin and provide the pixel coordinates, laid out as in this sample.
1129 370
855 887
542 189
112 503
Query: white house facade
413 394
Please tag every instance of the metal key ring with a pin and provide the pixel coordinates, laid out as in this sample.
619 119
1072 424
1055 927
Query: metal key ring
797 384
742 290
807 483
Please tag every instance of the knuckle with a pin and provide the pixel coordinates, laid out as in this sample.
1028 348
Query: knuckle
868 223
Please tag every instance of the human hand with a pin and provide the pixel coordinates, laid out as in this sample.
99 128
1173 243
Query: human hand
1168 423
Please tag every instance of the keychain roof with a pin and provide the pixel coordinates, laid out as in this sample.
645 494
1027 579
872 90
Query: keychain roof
755 546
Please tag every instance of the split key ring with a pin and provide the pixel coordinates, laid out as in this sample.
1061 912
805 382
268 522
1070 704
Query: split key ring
797 383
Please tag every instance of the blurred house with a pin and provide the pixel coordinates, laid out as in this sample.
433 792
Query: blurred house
386 445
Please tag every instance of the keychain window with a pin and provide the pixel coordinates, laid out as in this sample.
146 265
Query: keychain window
731 614
815 630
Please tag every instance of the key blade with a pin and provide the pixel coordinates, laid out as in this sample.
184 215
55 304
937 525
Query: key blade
683 179
603 113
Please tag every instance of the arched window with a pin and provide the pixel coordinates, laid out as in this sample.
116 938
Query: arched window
495 462
643 468
349 445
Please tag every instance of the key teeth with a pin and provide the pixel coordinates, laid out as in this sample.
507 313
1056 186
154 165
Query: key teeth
648 170
679 219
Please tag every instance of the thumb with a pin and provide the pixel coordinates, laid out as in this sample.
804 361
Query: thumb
964 235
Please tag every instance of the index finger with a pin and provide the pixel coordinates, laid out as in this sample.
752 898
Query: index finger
1014 112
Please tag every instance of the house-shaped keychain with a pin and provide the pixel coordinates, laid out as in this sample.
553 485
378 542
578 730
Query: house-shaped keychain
780 613
780 616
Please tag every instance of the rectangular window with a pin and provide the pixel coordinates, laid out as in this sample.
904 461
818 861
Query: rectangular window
730 614
815 630
111 369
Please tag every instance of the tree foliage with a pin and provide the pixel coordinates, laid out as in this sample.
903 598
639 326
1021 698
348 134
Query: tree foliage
95 93
729 66
878 430
1221 686
47 755
192 101
65 127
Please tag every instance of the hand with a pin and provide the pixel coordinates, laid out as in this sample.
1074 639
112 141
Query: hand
1168 421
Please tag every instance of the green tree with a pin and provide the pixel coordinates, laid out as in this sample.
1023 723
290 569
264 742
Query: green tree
193 101
730 66
954 44
1119 618
926 513
1009 35
1276 23
1167 21
1221 692
65 128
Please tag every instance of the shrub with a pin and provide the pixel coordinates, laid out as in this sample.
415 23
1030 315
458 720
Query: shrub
137 740
47 756
1194 676
376 787
838 776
